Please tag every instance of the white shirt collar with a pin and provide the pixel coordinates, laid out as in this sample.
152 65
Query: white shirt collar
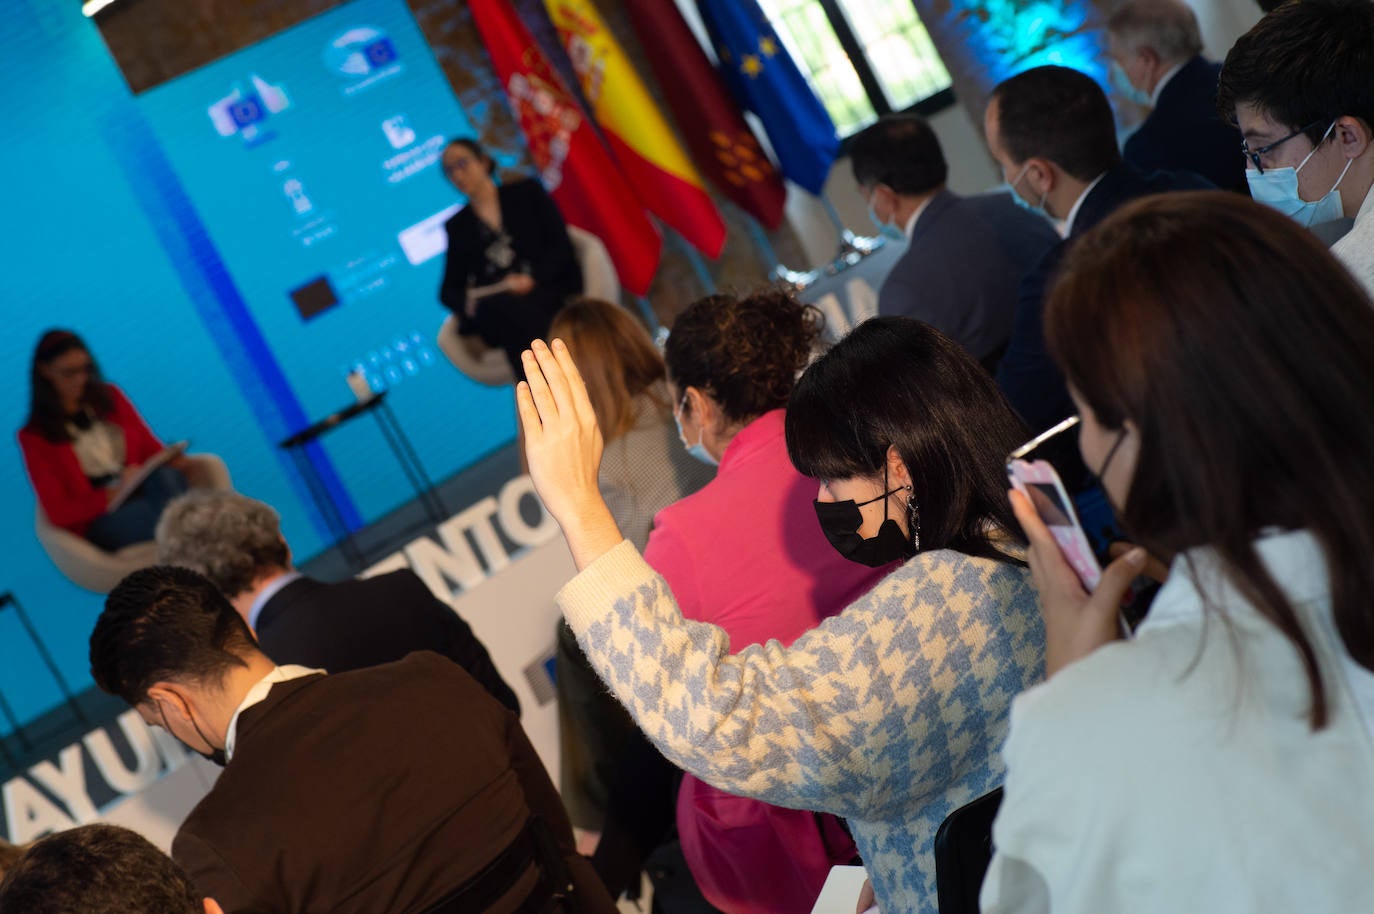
1367 207
1073 212
270 590
257 694
916 214
1164 81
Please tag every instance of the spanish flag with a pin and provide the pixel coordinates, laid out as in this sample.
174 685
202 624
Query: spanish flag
653 161
721 143
573 163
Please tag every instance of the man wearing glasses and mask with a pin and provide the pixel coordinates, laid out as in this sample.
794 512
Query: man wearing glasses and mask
1300 85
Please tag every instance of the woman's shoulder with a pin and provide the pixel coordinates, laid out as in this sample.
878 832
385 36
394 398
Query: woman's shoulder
959 569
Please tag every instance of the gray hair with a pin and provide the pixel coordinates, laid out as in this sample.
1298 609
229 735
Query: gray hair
1168 27
228 537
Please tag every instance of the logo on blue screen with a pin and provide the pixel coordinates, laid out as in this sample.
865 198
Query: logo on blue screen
243 111
364 54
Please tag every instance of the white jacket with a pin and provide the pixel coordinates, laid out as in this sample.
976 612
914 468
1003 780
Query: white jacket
1177 772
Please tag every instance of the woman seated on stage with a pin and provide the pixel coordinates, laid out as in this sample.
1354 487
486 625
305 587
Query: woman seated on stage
890 713
510 264
83 442
1221 759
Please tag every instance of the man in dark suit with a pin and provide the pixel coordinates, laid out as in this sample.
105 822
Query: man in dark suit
1052 132
1156 52
236 542
965 255
402 788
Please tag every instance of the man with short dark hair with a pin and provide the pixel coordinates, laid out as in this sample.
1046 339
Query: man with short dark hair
1052 132
403 788
237 543
99 869
1300 85
965 256
1156 52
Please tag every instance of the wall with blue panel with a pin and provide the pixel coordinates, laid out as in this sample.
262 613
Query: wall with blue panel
173 250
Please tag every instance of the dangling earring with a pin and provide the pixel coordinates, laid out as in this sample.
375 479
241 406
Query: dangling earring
913 518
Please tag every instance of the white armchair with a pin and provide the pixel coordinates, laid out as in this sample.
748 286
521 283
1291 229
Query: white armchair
89 566
488 366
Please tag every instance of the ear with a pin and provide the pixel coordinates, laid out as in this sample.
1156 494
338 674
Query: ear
897 474
212 907
170 698
1041 176
700 407
1353 135
1150 56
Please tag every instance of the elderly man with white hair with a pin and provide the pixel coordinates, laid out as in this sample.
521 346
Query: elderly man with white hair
1156 52
237 543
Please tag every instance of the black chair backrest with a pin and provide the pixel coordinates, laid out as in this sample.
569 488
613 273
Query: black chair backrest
963 849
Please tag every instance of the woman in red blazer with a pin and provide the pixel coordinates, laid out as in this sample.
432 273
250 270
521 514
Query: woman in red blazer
83 440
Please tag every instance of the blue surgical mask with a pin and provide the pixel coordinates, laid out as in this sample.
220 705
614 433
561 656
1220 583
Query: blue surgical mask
1278 187
697 450
1038 209
885 229
1122 84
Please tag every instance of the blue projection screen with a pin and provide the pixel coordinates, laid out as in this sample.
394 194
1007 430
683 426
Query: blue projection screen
311 160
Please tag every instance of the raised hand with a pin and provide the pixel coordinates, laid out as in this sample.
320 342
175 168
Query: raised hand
563 449
1076 622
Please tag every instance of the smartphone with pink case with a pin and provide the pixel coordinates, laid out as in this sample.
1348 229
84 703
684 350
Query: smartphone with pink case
1041 485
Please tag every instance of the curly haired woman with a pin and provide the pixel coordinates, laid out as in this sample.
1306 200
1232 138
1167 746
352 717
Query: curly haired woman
745 553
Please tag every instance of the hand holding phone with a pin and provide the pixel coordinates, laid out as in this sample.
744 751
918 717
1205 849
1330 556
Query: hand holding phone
1080 603
1041 485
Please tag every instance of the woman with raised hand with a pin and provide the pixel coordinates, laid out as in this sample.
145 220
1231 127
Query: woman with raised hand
1222 363
645 469
889 714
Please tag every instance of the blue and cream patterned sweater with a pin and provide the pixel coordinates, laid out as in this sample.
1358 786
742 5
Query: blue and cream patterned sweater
891 714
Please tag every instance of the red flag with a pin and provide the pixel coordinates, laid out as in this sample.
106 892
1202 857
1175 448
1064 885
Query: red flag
575 166
721 143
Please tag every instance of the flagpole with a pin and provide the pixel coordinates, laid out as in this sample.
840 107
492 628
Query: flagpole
649 315
697 262
849 242
760 239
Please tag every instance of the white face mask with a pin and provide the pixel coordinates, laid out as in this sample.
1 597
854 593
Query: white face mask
1278 187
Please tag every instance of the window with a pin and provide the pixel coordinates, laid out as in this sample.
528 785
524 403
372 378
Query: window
864 58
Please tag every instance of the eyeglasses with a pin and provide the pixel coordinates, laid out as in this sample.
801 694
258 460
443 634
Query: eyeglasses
1254 154
76 371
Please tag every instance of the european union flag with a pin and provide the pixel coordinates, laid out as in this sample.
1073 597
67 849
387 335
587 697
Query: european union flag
247 110
380 53
765 80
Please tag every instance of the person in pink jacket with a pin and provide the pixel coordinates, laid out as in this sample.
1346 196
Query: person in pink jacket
746 553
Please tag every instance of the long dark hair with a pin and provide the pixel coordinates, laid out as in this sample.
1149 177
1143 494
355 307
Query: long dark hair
46 416
898 382
1240 349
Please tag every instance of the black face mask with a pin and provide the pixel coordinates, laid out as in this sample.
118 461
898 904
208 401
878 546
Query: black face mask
840 522
216 755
